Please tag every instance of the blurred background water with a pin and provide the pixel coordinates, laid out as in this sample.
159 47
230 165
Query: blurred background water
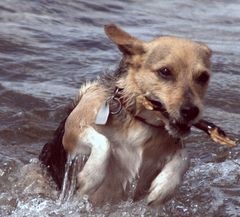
48 48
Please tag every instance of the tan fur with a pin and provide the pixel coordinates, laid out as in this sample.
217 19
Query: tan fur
134 149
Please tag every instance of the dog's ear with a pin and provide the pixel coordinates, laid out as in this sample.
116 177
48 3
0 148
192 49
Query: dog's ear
126 43
206 49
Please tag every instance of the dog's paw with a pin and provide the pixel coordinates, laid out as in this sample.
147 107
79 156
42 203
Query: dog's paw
162 189
167 181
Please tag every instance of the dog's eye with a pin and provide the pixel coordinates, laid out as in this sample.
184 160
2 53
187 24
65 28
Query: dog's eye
165 73
203 78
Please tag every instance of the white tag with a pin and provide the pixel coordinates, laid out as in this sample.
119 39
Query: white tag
103 114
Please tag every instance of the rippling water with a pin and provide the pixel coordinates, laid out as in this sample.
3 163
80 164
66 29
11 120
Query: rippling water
49 47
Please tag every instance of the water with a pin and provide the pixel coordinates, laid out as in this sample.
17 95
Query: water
48 48
73 166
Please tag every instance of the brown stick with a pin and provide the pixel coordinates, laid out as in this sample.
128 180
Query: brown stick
216 133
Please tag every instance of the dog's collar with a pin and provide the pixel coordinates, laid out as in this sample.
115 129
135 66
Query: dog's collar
118 101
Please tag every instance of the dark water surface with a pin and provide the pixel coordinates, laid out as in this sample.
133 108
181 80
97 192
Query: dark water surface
48 48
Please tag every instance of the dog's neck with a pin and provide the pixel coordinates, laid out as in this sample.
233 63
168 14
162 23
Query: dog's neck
139 107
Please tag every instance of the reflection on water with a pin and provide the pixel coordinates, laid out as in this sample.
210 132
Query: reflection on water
49 48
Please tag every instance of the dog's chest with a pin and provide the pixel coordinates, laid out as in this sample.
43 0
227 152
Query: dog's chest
127 147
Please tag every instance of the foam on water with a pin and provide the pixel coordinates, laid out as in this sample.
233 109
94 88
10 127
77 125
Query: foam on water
210 189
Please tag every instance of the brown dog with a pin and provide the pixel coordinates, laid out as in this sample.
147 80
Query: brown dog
131 123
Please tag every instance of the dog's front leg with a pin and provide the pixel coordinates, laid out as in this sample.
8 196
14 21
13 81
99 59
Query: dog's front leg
166 182
94 171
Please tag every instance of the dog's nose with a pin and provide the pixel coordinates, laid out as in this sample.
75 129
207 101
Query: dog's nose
189 112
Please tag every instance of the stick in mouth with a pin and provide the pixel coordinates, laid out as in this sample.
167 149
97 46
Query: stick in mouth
215 132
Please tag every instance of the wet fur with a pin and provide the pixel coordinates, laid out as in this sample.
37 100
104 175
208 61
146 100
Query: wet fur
53 155
128 148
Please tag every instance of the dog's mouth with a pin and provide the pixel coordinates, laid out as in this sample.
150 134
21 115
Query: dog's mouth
174 127
178 129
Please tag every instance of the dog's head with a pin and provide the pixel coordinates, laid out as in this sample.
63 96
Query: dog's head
171 72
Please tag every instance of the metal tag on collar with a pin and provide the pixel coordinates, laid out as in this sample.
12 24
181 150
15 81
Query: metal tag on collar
103 114
104 111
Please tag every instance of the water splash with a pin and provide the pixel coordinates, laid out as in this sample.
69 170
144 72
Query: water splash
73 166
